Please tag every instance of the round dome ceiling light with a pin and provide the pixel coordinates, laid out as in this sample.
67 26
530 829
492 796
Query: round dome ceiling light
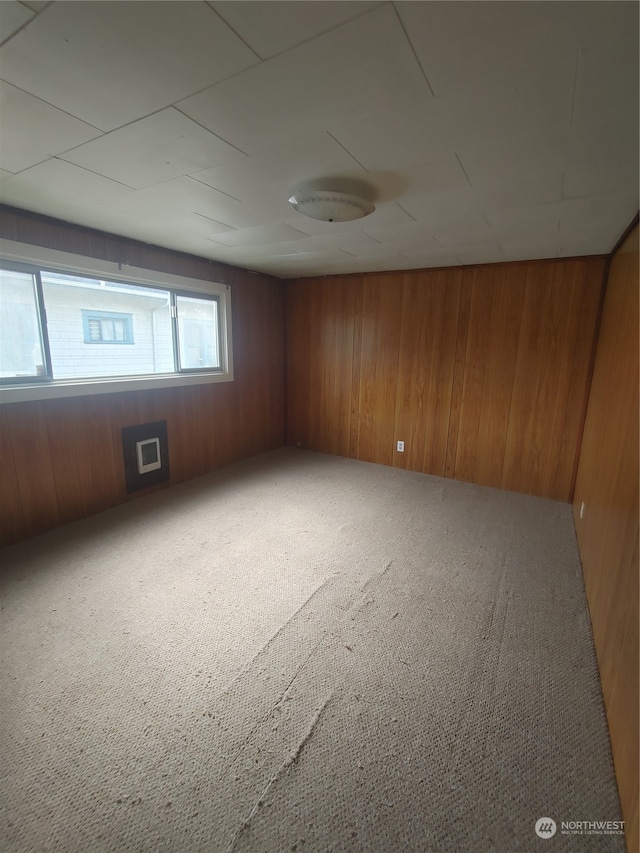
331 205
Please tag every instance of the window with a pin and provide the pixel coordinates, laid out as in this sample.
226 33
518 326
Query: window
103 327
22 346
197 333
60 328
86 342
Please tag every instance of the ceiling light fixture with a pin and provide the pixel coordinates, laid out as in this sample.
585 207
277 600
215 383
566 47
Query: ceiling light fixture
331 205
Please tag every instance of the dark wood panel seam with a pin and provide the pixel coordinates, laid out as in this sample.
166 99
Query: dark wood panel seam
286 433
451 401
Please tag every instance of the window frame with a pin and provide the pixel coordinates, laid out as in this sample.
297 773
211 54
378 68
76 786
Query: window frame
88 315
26 258
45 376
175 295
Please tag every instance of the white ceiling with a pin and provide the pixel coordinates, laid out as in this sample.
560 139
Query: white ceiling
489 131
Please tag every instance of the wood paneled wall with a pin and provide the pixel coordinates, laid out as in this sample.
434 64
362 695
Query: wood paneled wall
62 459
607 483
483 372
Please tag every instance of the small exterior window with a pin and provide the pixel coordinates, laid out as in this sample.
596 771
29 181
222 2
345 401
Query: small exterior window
107 327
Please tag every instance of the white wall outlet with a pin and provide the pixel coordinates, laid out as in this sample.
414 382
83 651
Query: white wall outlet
401 447
582 509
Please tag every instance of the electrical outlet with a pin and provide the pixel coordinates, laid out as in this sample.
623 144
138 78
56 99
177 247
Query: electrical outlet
582 509
400 447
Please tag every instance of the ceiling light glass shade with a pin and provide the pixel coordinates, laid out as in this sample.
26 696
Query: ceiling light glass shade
331 206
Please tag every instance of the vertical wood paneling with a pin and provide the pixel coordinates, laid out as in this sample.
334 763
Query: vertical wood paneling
412 376
344 355
99 455
62 459
577 401
10 504
444 313
389 313
224 426
607 483
74 492
325 411
298 355
506 312
522 414
557 296
356 365
368 361
482 372
560 382
330 411
35 478
425 369
475 367
459 344
317 391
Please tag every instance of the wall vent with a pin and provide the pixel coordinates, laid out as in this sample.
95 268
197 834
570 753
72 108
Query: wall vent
145 449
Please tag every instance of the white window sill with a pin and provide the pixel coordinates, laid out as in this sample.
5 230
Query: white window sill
84 387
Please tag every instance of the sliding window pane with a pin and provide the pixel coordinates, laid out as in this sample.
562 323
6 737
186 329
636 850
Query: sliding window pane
21 346
199 346
106 328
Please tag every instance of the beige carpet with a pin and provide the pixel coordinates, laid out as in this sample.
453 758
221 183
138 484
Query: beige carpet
303 652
